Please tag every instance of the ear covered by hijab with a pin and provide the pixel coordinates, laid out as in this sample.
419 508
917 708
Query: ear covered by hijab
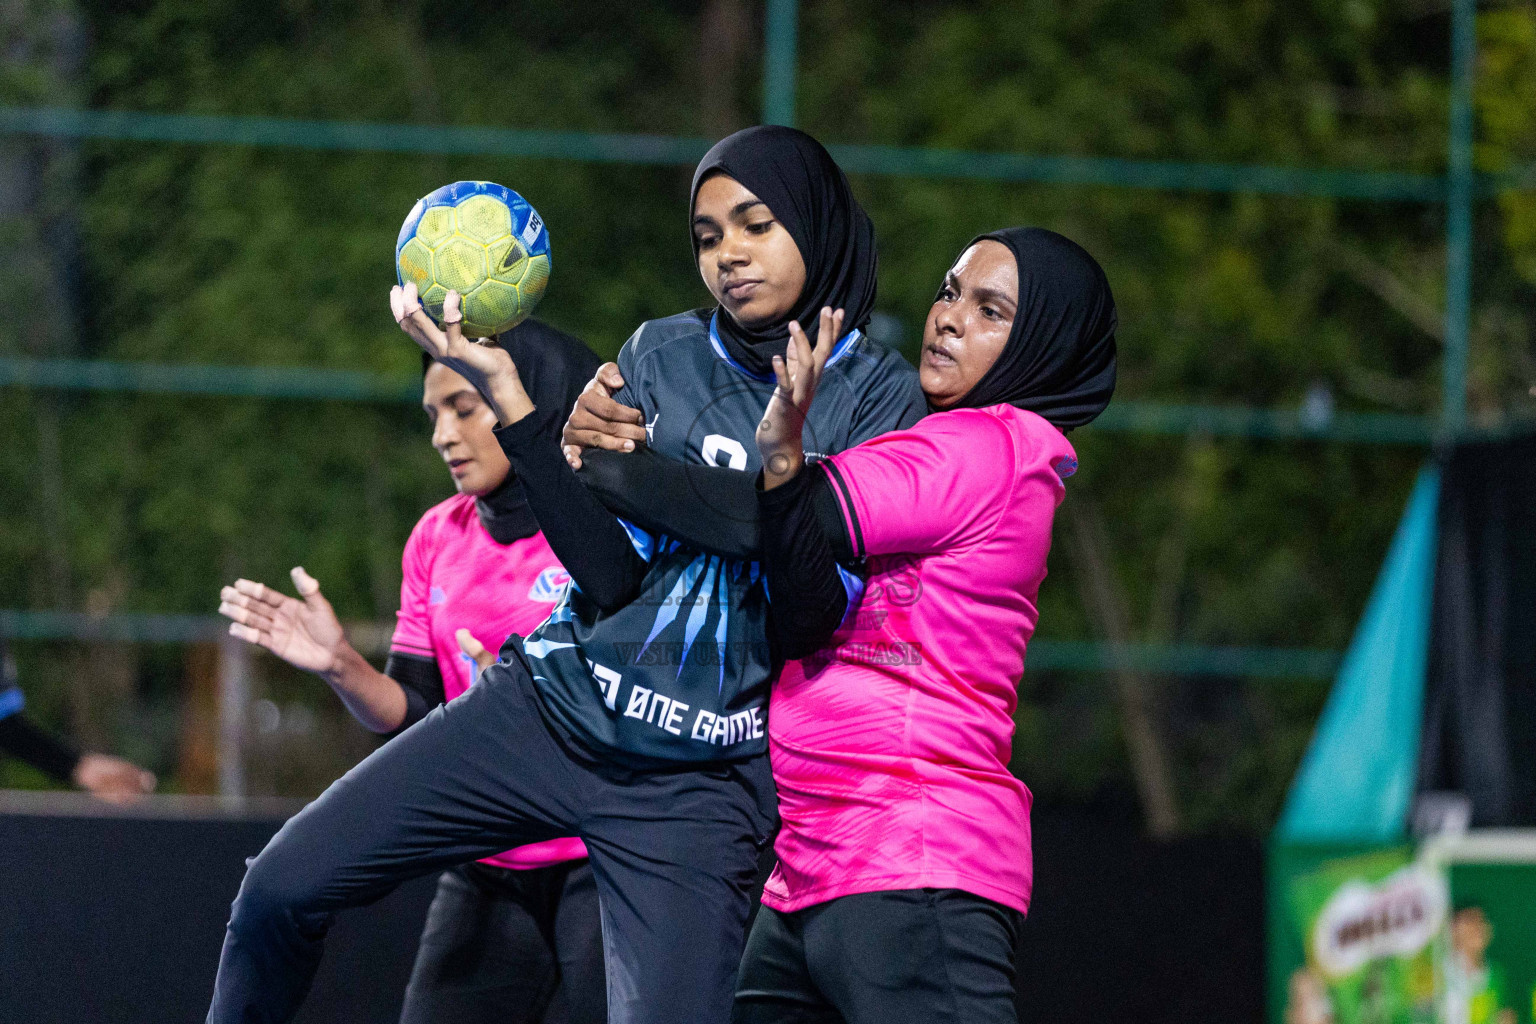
1059 360
554 368
809 194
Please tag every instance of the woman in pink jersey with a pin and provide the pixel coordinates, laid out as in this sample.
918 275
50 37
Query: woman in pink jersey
904 572
515 937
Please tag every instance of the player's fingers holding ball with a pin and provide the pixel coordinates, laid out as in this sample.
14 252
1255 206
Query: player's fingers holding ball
419 325
397 305
453 320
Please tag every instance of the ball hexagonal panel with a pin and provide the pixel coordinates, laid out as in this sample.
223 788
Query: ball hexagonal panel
484 218
534 280
416 263
432 301
435 226
493 305
459 264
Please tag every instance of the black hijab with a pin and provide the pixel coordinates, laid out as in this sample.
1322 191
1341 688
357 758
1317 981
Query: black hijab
554 367
1059 361
809 194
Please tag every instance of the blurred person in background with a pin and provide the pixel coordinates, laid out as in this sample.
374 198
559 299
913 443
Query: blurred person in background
102 775
515 937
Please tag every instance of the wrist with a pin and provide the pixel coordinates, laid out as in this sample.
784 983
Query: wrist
780 467
344 660
510 402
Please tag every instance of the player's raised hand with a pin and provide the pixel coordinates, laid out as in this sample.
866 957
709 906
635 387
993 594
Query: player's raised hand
799 370
597 421
487 366
304 633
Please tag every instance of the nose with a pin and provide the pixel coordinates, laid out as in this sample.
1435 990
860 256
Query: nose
732 250
947 318
444 433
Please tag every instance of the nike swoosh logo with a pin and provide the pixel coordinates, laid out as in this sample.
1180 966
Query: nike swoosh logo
514 253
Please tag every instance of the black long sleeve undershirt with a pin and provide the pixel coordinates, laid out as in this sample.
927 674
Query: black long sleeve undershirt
711 508
585 536
804 541
49 754
422 682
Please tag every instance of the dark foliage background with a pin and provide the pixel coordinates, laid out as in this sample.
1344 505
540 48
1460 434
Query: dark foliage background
233 255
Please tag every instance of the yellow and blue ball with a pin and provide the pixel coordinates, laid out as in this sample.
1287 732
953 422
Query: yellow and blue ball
483 241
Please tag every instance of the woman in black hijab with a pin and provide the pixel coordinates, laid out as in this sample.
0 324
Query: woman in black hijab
777 236
795 177
904 856
516 938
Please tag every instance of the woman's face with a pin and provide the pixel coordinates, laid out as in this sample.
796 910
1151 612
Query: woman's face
969 322
747 259
461 431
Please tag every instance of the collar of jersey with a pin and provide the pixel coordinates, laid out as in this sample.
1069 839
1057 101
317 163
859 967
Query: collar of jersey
844 343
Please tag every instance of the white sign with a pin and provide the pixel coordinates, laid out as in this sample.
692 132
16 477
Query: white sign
1361 922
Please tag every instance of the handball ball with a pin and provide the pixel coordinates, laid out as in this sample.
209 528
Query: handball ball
484 242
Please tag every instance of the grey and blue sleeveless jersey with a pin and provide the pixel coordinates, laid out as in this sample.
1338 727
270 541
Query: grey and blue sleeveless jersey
681 674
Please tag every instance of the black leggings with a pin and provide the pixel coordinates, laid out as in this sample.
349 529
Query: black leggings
510 947
907 956
673 853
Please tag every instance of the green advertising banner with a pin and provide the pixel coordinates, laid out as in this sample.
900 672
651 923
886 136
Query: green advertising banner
1443 934
1369 926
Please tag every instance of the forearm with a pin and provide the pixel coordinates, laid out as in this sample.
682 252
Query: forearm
585 536
373 698
807 592
711 508
49 754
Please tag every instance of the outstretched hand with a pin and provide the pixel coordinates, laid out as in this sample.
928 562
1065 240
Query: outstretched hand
304 633
799 370
487 366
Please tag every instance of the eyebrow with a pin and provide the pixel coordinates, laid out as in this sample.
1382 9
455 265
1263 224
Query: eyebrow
450 398
704 220
995 297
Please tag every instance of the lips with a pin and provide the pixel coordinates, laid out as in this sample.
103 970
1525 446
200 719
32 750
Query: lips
454 465
740 291
938 355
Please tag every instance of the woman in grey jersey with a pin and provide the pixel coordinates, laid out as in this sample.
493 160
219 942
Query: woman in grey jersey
651 672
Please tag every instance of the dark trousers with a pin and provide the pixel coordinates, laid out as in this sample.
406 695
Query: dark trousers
909 956
673 853
510 947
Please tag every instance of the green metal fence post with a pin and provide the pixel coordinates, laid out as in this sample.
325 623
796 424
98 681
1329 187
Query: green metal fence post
779 62
1458 219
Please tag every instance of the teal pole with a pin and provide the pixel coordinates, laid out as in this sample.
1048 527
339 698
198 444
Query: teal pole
1458 219
779 62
